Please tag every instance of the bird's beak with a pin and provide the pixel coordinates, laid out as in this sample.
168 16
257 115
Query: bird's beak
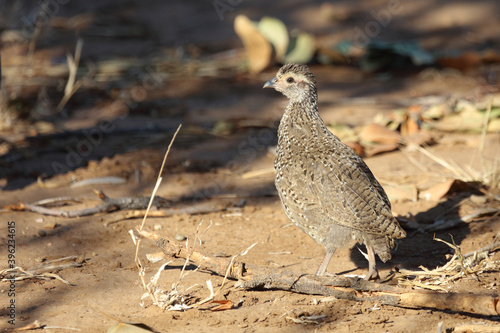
271 83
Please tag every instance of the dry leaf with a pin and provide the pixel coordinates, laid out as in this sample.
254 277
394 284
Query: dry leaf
437 191
418 139
440 190
402 192
358 149
378 149
259 50
409 127
412 119
437 111
379 134
224 305
468 119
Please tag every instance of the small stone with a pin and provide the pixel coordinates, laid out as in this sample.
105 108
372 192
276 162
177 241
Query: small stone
41 233
155 257
180 237
50 225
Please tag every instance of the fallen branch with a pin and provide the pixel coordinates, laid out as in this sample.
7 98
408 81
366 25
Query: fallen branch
138 206
108 205
261 277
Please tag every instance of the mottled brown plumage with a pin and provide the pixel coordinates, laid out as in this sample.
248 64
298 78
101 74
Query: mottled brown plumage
325 187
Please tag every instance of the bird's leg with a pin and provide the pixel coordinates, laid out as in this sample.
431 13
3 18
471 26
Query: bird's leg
324 264
372 265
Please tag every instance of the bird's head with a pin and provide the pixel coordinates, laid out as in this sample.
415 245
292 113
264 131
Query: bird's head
294 81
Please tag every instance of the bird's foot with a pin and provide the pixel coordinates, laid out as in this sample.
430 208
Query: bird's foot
372 266
372 274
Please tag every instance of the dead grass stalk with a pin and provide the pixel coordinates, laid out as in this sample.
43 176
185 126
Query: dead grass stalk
459 266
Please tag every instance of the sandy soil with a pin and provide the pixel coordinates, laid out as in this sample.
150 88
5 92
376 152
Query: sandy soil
203 166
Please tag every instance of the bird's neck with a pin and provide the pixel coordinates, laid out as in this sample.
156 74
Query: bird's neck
303 112
301 121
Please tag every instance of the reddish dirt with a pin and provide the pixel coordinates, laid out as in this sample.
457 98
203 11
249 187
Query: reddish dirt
204 166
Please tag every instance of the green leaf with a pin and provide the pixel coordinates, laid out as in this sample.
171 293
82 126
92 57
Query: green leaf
276 33
301 49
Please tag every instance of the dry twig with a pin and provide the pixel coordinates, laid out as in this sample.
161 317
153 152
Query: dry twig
260 277
138 206
44 272
108 205
71 85
158 182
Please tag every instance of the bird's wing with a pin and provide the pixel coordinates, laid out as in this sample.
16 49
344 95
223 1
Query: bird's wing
348 193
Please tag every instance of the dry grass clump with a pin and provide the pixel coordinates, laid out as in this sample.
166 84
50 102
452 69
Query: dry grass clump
459 266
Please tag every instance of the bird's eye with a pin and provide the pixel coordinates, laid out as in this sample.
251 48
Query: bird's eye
289 80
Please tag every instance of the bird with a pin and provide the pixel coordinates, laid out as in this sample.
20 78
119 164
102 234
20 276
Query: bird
325 188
